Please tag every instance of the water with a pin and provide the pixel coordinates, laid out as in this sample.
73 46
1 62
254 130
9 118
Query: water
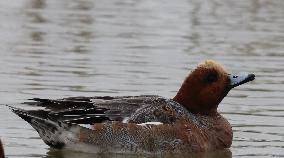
55 49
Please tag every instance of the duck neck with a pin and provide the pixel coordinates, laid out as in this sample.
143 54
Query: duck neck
192 103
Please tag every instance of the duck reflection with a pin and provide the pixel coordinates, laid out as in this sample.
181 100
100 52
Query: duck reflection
226 153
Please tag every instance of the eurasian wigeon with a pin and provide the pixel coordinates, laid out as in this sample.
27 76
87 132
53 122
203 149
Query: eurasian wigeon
1 150
189 122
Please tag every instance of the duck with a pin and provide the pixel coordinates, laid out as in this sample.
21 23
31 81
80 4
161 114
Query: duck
1 150
188 122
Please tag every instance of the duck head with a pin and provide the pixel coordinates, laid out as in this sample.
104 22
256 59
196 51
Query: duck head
206 86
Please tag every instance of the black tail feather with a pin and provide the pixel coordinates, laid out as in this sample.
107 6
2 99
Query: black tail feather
49 128
28 115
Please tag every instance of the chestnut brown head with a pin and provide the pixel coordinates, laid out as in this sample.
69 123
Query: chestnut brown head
206 86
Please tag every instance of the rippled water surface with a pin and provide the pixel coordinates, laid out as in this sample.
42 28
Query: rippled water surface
61 48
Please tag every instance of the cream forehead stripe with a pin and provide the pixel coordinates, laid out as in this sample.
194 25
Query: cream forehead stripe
209 64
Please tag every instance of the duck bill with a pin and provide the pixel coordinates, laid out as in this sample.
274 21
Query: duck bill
239 79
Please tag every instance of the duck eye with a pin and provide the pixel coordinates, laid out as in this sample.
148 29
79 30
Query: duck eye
211 78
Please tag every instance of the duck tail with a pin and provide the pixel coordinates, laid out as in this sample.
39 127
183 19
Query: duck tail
54 133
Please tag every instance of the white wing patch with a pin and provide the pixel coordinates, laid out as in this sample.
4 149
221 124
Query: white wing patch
150 123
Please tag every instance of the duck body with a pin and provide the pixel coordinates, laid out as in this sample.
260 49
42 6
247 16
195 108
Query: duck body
189 122
130 124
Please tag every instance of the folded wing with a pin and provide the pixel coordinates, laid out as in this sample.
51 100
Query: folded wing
90 110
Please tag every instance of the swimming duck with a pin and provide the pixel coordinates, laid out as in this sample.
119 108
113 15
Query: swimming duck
1 150
189 122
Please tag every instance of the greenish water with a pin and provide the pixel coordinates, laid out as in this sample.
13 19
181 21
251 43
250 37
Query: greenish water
55 49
